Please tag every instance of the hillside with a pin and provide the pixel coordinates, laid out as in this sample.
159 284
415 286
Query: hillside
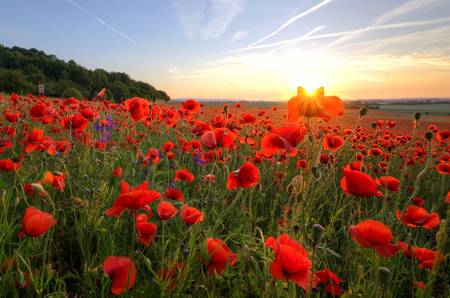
21 70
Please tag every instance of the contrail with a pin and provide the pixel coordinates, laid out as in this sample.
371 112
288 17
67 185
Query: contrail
88 13
292 20
287 44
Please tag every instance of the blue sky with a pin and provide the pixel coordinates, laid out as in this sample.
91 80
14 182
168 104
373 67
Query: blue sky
254 49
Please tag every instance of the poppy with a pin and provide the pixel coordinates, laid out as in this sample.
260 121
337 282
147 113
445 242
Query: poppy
34 140
443 168
331 280
388 182
220 255
8 165
174 194
118 172
332 142
167 146
315 104
190 106
191 215
426 257
415 216
121 271
284 138
139 108
447 198
246 176
129 198
55 179
443 135
291 262
219 137
374 234
166 210
36 222
359 184
184 175
145 230
77 123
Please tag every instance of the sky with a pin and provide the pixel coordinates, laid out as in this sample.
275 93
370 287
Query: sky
247 49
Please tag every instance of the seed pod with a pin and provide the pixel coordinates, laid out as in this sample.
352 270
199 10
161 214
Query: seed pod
384 276
317 231
429 135
417 116
363 111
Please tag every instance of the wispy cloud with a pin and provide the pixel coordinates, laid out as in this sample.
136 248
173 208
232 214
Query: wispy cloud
207 19
292 20
88 13
392 14
238 35
291 43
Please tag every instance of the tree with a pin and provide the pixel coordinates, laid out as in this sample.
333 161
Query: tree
72 92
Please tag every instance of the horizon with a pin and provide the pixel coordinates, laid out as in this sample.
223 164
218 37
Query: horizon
221 48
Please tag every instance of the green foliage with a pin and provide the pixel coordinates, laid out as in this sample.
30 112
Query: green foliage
21 70
71 92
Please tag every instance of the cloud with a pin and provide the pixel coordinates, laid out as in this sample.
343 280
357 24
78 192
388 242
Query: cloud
88 13
207 19
292 20
238 35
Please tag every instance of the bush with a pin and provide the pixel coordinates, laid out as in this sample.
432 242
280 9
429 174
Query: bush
72 92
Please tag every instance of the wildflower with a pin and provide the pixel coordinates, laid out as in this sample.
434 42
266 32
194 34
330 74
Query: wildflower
374 234
36 222
415 216
246 176
220 255
122 272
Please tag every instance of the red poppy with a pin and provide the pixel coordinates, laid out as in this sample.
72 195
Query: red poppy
34 140
36 222
191 215
190 106
11 117
388 182
219 137
184 175
443 168
447 198
284 138
418 201
137 198
145 230
246 176
118 172
374 234
122 272
427 257
168 146
139 108
415 216
332 142
166 210
8 165
174 194
55 179
443 135
359 184
77 123
220 255
331 280
291 262
315 104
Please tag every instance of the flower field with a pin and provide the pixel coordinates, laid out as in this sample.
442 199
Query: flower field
145 199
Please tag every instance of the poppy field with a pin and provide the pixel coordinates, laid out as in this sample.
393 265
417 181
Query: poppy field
150 199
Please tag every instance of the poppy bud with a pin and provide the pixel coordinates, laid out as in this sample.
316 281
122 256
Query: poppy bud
384 276
374 125
417 116
38 187
317 231
363 111
296 228
429 135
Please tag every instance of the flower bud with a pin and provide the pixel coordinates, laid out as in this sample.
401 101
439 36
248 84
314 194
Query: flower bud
363 111
429 135
417 116
384 276
317 231
374 125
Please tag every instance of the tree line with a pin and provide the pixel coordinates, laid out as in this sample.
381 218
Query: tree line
22 70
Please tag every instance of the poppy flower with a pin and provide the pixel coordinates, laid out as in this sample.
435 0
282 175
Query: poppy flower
166 210
174 194
184 175
8 165
374 234
121 271
190 106
220 255
359 184
443 135
191 215
331 280
418 201
11 117
284 138
315 104
118 172
388 182
246 176
36 222
77 123
447 198
426 257
219 137
145 230
55 179
332 142
443 168
129 198
415 216
291 262
139 108
168 146
34 140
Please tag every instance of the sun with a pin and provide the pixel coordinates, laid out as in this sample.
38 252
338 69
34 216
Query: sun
310 83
